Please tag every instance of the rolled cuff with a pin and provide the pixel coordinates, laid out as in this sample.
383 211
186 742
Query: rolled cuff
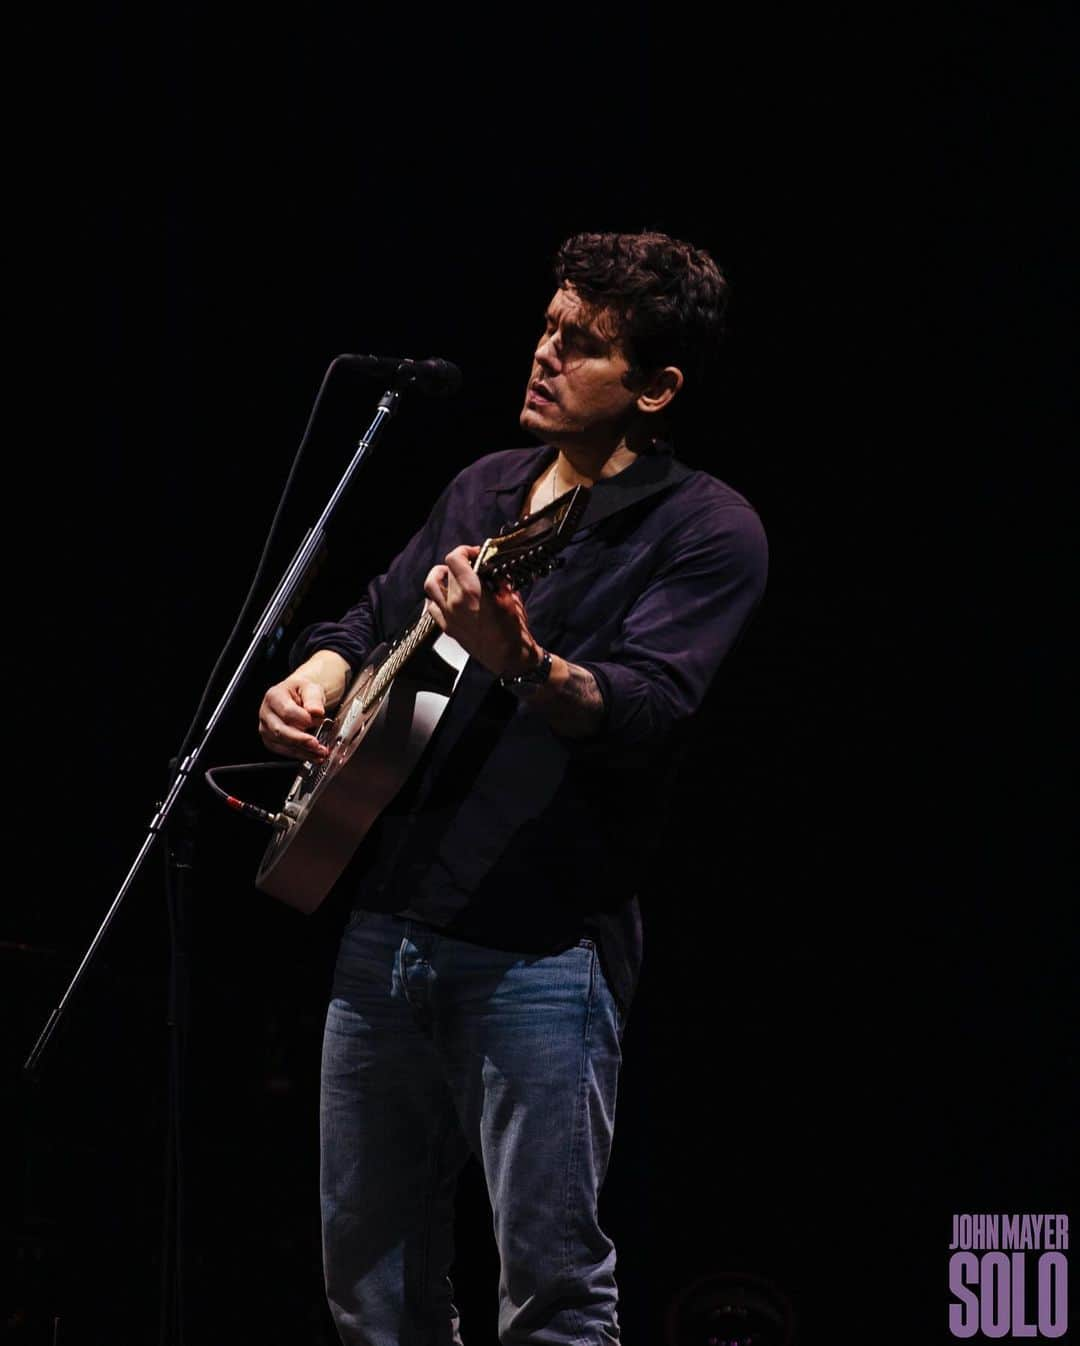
327 636
636 713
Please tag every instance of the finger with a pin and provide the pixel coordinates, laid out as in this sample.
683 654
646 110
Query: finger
305 748
435 585
285 709
508 599
465 579
436 614
280 738
313 699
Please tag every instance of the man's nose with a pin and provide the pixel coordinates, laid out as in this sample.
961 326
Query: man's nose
547 353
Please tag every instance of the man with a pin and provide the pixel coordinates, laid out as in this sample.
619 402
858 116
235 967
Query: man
487 969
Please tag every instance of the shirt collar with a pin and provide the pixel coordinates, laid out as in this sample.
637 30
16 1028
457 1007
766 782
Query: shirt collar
647 474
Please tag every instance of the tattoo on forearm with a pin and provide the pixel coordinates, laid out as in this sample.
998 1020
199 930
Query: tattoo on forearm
578 707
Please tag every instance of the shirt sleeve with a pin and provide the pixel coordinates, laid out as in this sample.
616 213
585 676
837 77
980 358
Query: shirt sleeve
389 602
681 627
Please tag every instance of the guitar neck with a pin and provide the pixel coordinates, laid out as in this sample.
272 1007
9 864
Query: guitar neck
416 637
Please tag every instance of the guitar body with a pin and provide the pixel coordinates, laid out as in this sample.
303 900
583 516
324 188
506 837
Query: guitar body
385 721
334 804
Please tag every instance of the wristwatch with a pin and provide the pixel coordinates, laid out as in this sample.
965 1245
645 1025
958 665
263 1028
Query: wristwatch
525 684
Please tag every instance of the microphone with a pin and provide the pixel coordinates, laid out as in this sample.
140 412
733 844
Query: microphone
434 378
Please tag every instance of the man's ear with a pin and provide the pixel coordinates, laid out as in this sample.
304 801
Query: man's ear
659 389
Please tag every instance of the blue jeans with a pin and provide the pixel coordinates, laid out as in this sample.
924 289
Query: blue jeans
436 1048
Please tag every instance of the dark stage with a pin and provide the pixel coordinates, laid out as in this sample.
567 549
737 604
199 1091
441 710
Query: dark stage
860 950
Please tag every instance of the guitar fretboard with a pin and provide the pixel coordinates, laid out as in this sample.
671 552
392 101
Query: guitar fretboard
396 660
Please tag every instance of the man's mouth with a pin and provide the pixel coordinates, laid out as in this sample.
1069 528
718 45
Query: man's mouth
538 390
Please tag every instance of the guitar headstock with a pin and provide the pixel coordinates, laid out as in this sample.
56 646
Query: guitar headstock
528 546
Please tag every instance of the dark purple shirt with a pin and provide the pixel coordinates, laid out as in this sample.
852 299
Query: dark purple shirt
508 833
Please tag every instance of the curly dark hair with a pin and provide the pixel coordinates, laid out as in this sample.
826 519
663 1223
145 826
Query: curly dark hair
666 298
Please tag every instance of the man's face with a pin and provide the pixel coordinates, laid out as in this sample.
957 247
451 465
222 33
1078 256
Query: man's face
576 394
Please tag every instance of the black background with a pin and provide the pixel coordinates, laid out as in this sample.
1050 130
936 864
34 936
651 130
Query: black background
853 1015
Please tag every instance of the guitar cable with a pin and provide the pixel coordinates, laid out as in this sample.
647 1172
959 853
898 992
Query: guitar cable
276 820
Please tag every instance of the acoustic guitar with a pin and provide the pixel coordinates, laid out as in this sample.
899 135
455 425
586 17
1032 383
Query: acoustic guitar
386 719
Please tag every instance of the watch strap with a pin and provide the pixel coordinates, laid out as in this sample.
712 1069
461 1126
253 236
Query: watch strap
532 678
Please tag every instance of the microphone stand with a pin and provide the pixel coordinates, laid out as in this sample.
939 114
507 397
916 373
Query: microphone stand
267 631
